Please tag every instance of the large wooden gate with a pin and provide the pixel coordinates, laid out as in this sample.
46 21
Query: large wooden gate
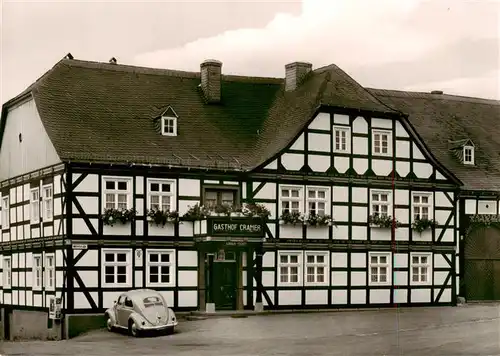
482 264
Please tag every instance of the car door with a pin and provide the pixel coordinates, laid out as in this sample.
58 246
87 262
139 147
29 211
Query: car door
125 310
118 309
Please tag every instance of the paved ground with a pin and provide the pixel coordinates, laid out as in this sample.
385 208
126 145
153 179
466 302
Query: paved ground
467 330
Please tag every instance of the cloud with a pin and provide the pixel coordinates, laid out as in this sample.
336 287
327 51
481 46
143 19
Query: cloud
362 36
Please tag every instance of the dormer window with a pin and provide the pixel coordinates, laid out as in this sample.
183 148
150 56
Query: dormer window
468 154
169 126
169 122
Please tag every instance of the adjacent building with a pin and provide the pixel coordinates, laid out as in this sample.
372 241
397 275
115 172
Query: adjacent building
234 192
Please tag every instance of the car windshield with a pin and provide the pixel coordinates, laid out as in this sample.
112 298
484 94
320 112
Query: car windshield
152 301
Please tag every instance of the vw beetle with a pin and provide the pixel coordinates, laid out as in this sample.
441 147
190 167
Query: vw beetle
141 310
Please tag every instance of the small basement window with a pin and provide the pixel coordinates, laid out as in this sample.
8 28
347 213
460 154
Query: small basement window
468 154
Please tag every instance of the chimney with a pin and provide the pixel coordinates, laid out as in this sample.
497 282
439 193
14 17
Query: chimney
295 73
113 60
211 80
439 92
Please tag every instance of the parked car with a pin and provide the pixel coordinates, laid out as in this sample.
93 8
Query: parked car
141 310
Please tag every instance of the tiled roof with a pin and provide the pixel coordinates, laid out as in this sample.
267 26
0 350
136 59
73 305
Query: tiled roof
442 119
103 112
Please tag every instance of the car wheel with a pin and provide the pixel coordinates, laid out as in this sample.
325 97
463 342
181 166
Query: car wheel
132 328
109 323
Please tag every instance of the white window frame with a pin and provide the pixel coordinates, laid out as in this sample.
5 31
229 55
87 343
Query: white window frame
164 121
389 142
379 265
170 264
299 199
347 130
115 191
35 206
37 271
419 265
5 212
7 273
465 149
288 265
172 194
50 271
419 205
325 265
327 199
127 264
380 202
47 202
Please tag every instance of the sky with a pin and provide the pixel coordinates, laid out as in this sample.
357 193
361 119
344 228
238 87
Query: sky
421 45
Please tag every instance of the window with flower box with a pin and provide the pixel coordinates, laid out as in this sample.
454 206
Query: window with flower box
381 203
5 212
290 267
161 194
421 268
47 203
380 268
318 201
316 268
291 199
117 268
35 205
422 206
7 272
117 193
37 272
160 267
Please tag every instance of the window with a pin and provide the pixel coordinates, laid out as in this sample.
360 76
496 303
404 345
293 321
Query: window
160 268
7 273
341 139
316 268
49 271
420 268
289 267
421 206
291 199
128 303
5 213
317 201
37 272
169 126
468 154
382 143
35 205
47 203
381 203
161 195
116 193
379 268
214 198
117 268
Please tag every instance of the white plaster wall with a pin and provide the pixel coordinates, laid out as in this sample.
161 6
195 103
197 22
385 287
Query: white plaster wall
189 187
318 142
339 297
34 152
188 298
290 297
292 161
380 296
89 184
316 297
321 122
298 143
360 125
319 163
341 119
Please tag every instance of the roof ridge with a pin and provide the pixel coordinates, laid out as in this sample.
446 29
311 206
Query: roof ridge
428 95
164 71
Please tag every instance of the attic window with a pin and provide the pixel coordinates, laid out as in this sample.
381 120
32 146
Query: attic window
468 155
169 122
169 126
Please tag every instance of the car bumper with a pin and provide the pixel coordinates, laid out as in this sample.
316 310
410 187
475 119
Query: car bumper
157 327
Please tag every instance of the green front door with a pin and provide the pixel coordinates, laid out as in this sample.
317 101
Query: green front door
224 285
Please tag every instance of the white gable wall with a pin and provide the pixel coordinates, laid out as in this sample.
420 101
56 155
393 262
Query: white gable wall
34 152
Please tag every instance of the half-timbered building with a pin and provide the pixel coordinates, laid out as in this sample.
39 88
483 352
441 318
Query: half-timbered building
232 192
